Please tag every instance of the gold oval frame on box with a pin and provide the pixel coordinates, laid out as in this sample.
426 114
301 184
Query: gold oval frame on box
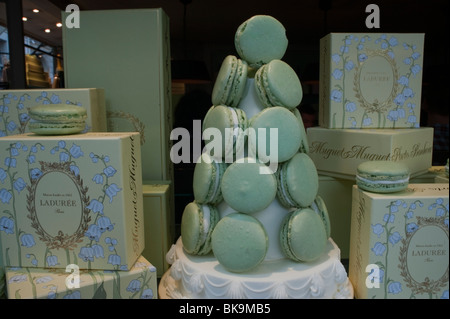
428 286
376 107
64 241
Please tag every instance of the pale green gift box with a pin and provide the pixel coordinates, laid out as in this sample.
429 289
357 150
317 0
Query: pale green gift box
159 223
15 104
338 153
337 194
399 245
71 199
370 80
139 282
134 72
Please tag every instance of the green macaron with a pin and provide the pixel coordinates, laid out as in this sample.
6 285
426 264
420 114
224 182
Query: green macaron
298 181
302 235
277 84
197 224
230 123
230 82
248 186
208 174
239 242
382 176
57 119
318 205
288 131
260 39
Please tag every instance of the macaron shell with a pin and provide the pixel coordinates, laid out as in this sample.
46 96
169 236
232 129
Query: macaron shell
260 39
288 130
303 235
246 189
382 176
278 85
208 174
320 208
197 224
239 242
191 224
55 128
58 112
231 123
224 81
298 181
57 119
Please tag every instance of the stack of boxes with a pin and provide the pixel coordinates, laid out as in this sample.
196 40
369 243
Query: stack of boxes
370 97
82 215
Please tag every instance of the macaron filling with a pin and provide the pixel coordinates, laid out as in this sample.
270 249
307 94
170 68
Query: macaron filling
216 186
383 181
205 225
284 192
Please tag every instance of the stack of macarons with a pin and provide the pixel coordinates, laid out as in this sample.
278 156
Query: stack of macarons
246 183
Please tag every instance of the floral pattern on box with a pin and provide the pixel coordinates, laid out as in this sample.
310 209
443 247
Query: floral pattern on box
389 236
361 95
92 185
38 283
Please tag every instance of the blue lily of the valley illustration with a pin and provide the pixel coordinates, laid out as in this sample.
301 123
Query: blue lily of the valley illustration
138 284
343 65
15 122
389 237
97 242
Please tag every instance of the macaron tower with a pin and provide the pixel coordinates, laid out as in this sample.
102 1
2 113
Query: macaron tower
272 238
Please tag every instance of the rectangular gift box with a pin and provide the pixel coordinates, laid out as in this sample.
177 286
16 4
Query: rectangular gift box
139 282
159 223
339 152
399 243
71 199
14 106
370 80
135 75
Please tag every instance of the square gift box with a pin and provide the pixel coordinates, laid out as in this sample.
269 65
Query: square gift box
338 153
14 105
370 80
135 74
71 199
159 223
39 283
399 245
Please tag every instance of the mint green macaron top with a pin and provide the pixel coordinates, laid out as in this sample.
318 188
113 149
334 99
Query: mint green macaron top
277 84
197 224
288 131
248 186
57 119
231 123
239 242
382 176
208 174
230 82
298 181
260 39
303 236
